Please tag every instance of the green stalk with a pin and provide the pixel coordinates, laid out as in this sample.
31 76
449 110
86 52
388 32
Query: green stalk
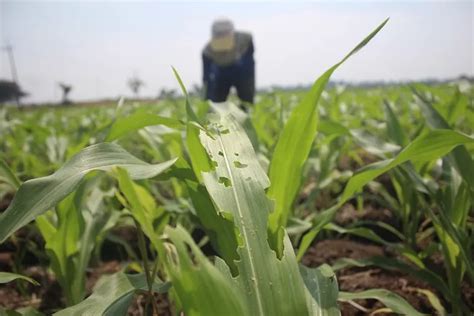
149 278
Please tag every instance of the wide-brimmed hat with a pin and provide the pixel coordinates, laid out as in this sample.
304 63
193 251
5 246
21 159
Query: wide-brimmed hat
222 35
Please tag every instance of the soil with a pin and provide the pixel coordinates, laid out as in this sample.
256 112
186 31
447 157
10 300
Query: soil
359 279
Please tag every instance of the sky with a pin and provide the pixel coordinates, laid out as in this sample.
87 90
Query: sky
97 45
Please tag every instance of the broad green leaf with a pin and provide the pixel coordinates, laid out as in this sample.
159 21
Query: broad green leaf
321 220
293 148
6 277
219 229
321 284
394 129
137 121
199 159
8 176
393 301
434 301
431 146
460 156
112 295
329 127
201 287
372 144
192 117
457 107
36 196
237 186
141 205
358 231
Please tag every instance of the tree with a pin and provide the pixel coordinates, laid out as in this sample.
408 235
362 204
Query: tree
10 91
167 94
66 89
135 85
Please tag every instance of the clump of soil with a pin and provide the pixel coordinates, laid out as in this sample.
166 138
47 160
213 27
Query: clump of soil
349 215
162 301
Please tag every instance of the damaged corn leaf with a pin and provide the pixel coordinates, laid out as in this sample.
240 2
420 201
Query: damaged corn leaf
262 281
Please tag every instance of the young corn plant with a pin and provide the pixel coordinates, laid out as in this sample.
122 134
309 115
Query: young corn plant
236 184
71 236
448 210
70 241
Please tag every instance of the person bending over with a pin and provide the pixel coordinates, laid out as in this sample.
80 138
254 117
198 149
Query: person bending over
228 62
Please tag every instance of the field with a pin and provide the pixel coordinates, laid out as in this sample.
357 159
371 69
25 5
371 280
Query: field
341 199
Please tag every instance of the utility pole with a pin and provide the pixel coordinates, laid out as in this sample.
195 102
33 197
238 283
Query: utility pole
13 71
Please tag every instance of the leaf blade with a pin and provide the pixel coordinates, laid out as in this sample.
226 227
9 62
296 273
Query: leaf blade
36 196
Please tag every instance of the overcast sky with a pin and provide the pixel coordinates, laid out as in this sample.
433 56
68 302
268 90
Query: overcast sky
96 46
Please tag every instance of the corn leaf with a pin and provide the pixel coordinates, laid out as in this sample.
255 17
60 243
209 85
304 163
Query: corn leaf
136 121
6 277
112 295
431 146
201 287
434 301
321 284
218 228
393 301
237 186
36 196
8 176
293 148
461 158
394 129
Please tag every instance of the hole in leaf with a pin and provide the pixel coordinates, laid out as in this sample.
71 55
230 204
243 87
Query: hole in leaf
238 164
225 181
220 153
237 154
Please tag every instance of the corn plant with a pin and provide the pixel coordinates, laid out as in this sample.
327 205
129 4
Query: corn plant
71 237
448 210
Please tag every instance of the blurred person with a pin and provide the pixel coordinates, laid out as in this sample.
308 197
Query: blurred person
228 62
